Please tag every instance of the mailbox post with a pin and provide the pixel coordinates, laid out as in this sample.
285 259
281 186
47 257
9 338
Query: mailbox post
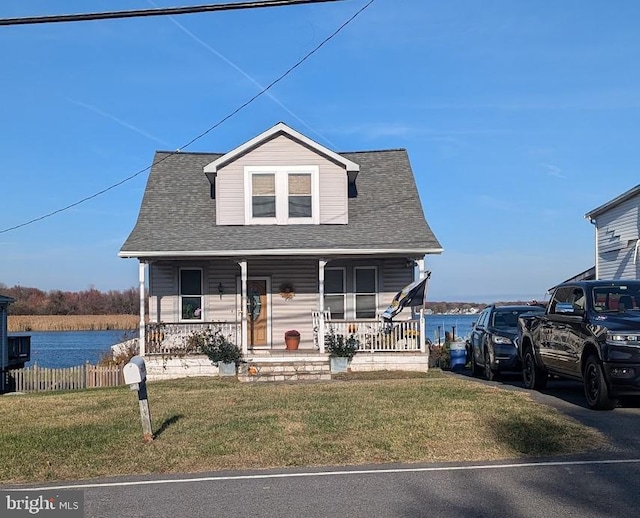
135 375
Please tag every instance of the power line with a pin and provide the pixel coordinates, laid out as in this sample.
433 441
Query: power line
163 11
221 121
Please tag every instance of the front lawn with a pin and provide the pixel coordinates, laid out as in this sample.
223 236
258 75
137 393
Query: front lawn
209 424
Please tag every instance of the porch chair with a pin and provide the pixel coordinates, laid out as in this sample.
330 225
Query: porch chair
315 319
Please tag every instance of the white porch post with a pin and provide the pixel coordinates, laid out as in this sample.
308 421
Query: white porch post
142 333
321 265
422 345
243 306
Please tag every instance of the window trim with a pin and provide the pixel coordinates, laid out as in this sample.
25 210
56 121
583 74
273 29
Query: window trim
181 295
282 194
356 293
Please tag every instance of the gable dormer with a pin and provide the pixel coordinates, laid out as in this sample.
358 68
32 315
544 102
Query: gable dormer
281 177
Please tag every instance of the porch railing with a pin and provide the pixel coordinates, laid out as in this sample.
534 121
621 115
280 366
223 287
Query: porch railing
377 336
171 338
373 336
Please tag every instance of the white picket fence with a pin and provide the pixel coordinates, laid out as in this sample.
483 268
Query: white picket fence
37 379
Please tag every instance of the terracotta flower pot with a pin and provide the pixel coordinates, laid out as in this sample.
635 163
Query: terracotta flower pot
292 342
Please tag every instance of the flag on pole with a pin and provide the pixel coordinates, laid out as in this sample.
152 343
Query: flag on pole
415 294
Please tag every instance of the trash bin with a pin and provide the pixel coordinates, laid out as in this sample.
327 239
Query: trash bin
458 355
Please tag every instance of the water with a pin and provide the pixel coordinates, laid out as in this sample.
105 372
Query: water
59 349
446 322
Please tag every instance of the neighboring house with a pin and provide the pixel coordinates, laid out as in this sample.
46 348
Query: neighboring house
274 235
14 350
4 341
617 225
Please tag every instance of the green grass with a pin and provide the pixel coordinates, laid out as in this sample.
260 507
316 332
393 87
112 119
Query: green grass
208 424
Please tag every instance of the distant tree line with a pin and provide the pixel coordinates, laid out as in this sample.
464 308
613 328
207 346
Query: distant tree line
32 301
463 307
447 307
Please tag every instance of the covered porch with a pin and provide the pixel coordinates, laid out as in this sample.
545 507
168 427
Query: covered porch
254 303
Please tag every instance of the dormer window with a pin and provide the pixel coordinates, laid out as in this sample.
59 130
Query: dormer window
263 195
283 195
300 198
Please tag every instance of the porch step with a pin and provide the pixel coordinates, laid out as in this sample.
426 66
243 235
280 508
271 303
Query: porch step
271 369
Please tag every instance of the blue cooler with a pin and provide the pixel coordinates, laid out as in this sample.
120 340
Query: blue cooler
458 354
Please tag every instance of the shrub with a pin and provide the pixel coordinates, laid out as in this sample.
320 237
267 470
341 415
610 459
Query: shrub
440 356
292 334
217 346
337 345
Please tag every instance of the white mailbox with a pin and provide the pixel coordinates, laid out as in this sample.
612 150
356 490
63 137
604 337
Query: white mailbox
135 371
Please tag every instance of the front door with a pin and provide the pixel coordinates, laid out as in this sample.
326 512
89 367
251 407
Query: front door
257 313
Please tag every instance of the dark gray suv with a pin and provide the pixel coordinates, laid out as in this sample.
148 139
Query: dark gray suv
492 346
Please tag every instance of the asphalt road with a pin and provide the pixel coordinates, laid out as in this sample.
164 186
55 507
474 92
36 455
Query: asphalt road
603 484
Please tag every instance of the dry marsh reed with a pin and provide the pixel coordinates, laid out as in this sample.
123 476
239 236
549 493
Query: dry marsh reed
26 323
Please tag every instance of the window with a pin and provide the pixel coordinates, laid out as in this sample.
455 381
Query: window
562 301
263 195
334 292
615 298
484 316
299 195
282 195
365 280
191 294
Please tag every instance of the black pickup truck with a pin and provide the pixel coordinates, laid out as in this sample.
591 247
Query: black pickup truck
591 333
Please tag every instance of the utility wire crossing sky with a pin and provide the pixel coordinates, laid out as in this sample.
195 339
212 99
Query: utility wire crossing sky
173 11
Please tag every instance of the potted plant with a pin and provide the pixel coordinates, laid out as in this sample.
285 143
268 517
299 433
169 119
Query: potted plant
292 339
341 350
221 351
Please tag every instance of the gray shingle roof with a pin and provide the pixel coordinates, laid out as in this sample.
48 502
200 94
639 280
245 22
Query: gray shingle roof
178 215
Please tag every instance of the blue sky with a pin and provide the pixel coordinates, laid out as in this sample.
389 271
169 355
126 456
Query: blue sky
519 117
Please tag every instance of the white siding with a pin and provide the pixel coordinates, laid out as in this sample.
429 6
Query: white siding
163 289
221 308
618 230
396 276
333 196
281 151
229 198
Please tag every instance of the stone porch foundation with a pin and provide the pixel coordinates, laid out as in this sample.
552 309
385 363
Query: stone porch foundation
284 365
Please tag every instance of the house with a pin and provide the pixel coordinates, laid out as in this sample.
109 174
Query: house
617 232
279 233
